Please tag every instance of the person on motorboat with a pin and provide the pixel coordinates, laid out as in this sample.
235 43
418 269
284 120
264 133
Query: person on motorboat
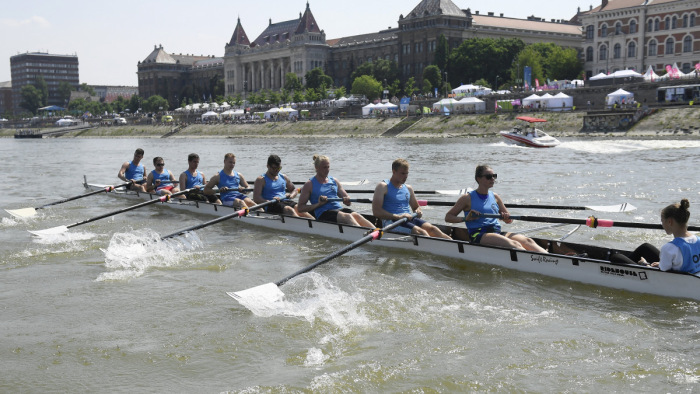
682 254
487 231
193 178
394 200
231 185
274 185
319 189
135 172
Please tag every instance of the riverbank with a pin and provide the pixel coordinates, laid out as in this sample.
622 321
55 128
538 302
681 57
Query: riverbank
675 122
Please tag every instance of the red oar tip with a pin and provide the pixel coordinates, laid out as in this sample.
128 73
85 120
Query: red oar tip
422 203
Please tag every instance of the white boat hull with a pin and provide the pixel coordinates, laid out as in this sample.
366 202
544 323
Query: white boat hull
545 141
595 271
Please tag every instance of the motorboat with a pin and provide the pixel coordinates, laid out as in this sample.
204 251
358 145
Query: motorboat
529 135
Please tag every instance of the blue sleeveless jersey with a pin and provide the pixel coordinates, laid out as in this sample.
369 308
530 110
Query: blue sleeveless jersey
691 255
164 178
330 190
274 189
134 172
396 201
193 181
487 205
232 182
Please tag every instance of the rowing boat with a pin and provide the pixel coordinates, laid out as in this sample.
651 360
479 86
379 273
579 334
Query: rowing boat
562 263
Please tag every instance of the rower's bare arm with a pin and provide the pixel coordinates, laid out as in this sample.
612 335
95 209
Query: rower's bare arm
303 205
172 178
122 172
209 188
149 183
291 189
183 180
257 190
378 203
462 204
343 194
413 202
505 215
243 183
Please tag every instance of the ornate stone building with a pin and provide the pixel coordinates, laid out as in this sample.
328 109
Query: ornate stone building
636 34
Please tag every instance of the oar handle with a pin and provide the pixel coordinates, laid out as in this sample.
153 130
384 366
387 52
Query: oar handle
106 189
131 208
375 234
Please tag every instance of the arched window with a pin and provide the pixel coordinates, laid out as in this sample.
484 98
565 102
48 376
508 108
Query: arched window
685 20
687 44
692 20
667 23
604 30
590 30
589 54
650 25
617 51
674 22
652 48
631 50
618 28
669 46
633 26
657 22
603 53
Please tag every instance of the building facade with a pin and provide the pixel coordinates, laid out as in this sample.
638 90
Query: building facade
637 34
110 93
25 68
5 98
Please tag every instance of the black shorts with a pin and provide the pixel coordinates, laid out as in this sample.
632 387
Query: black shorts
130 185
195 196
331 215
279 207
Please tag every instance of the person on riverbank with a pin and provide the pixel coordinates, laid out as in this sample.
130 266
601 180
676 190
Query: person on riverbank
487 231
394 199
319 189
231 185
135 172
192 178
161 180
272 185
682 254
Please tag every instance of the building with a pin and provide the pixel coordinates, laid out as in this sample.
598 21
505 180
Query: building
176 76
25 68
5 98
637 34
110 93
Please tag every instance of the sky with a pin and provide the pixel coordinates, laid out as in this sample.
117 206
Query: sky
110 38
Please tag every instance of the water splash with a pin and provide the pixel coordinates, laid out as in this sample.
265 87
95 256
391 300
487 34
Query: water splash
69 238
130 254
626 146
10 222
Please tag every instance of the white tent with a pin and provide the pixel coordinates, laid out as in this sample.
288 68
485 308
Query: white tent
367 109
618 96
473 104
227 114
650 75
598 76
211 115
560 102
288 112
65 122
448 102
342 102
270 112
531 100
386 107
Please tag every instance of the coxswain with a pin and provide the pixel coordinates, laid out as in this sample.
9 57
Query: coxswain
275 186
231 184
135 172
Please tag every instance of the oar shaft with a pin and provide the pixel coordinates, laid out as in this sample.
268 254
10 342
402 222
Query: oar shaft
370 191
363 200
131 208
104 190
367 238
590 222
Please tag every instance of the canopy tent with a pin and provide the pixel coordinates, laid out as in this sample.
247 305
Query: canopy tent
211 115
386 107
560 102
446 102
270 112
672 72
619 96
650 75
288 112
65 122
367 109
473 104
475 90
52 108
531 100
598 76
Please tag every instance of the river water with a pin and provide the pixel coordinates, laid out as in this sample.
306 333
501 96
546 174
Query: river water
101 309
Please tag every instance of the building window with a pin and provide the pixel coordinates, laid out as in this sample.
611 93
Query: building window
604 30
603 55
669 46
650 25
685 21
633 26
631 50
667 23
589 32
589 54
618 28
657 22
686 68
652 48
687 44
674 22
617 51
692 20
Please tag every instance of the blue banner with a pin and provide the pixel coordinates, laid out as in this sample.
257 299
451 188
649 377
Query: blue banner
527 76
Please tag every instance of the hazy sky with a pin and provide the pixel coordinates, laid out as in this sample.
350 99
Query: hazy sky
111 37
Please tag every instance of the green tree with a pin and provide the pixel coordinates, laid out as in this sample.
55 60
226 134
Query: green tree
485 83
311 95
274 97
564 63
292 82
409 87
367 86
43 89
394 88
483 58
135 103
381 70
427 86
155 104
433 75
531 58
340 92
298 96
442 53
64 89
285 95
316 78
366 68
84 87
30 98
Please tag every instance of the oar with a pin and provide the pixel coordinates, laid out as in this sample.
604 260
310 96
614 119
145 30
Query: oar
62 229
29 212
271 291
591 221
445 192
624 207
346 183
422 203
237 214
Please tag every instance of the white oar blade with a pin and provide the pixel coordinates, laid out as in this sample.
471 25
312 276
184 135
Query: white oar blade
49 231
266 294
22 213
625 207
356 183
454 192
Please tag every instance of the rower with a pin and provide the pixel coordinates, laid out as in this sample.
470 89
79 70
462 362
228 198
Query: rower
273 185
192 178
135 172
487 231
394 200
161 180
231 185
322 187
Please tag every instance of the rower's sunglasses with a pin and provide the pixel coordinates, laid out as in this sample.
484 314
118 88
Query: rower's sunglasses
490 176
160 164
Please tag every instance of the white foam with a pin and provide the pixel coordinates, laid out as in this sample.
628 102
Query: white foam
69 237
130 254
315 357
626 146
9 222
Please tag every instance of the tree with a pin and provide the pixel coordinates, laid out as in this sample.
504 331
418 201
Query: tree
483 58
340 92
285 95
367 86
316 78
433 75
381 70
87 88
292 82
64 89
298 96
311 95
564 64
43 89
427 86
442 53
31 98
409 87
530 58
155 104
